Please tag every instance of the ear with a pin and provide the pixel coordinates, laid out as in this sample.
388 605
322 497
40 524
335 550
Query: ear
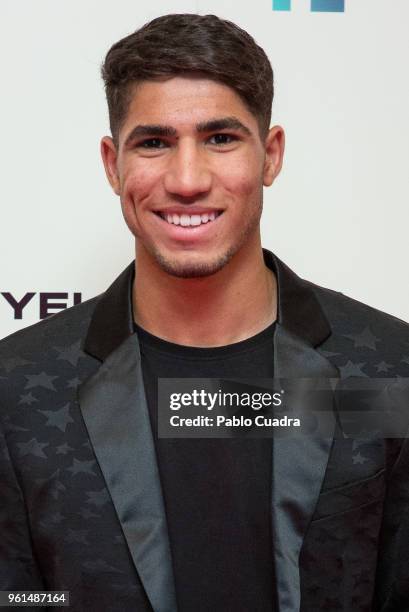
274 148
110 158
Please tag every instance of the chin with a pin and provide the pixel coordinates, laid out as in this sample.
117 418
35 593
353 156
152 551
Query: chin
192 269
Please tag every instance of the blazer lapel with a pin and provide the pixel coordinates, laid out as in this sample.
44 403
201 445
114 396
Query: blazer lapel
299 464
115 412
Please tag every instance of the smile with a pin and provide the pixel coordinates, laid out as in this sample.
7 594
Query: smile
186 220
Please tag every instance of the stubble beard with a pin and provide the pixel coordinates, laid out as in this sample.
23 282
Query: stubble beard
201 269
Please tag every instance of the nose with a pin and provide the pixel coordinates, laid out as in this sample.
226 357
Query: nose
188 174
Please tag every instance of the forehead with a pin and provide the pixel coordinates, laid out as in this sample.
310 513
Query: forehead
184 102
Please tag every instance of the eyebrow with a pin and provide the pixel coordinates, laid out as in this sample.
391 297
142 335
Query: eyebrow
212 125
225 123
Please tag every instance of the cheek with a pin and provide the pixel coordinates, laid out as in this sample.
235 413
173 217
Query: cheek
245 180
138 187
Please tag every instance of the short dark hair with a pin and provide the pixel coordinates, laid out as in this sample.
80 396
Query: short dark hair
187 43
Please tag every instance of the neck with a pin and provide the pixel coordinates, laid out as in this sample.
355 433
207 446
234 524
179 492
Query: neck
231 305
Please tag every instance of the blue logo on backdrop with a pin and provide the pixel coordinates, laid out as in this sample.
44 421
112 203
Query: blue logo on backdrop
317 6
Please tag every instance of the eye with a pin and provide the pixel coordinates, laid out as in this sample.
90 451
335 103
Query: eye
222 139
152 143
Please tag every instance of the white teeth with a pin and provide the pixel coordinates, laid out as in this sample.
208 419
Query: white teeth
189 220
195 220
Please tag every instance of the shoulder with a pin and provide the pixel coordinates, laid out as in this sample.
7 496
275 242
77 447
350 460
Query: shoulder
42 365
363 334
68 325
341 310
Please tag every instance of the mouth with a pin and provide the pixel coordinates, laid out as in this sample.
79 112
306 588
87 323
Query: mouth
189 221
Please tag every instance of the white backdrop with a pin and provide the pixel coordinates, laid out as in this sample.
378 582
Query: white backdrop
338 214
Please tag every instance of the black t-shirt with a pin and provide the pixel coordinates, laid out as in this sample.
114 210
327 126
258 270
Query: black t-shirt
217 492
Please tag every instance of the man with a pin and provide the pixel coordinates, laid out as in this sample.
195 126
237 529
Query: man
94 501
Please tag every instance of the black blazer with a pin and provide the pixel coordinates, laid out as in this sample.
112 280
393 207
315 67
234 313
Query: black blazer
81 504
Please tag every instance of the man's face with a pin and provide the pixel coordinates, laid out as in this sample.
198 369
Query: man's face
190 168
